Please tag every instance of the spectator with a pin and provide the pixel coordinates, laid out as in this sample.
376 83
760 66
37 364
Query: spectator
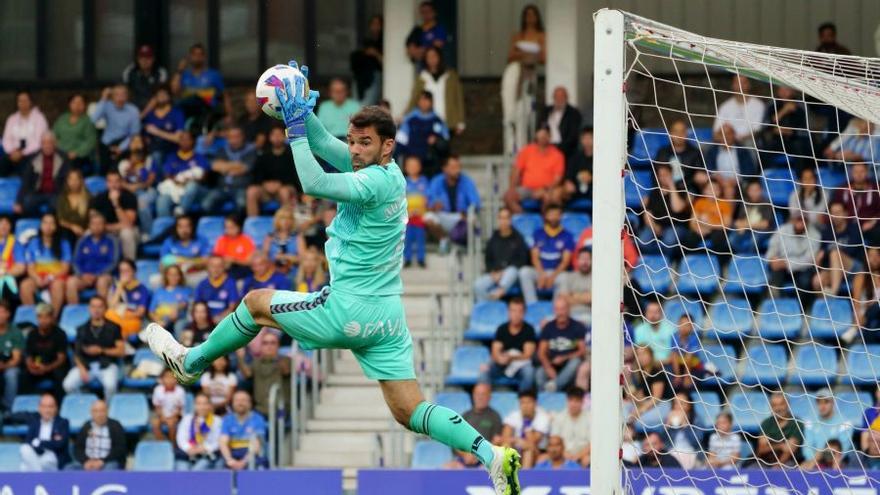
119 207
450 195
656 332
310 276
666 214
144 76
22 134
183 174
47 256
218 290
785 138
563 121
648 386
506 254
11 347
200 88
427 34
255 123
417 205
366 63
123 121
869 434
284 244
481 415
538 170
513 349
424 134
810 198
274 176
655 455
264 276
525 428
679 426
828 40
686 352
169 302
267 370
12 260
854 143
561 349
754 218
198 438
576 287
724 445
199 326
97 349
712 214
46 444
138 174
42 179
128 300
742 112
519 80
76 134
555 458
528 45
184 249
781 435
45 354
864 294
573 427
792 254
861 199
577 185
315 227
828 425
236 249
335 112
550 253
94 258
163 125
683 157
72 206
100 445
842 252
445 88
242 433
168 401
233 166
219 383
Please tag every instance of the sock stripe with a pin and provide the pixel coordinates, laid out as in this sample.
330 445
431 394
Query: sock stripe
427 417
236 321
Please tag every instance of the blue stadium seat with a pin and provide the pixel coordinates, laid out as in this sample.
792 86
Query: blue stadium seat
72 317
504 403
634 189
96 185
147 271
780 318
852 405
152 455
485 318
457 401
645 145
526 224
749 408
831 177
21 404
674 308
530 205
576 223
830 317
765 365
701 135
699 274
209 229
258 228
537 312
160 225
141 383
730 320
724 360
802 405
553 402
25 228
77 409
652 274
189 403
25 315
746 275
466 362
814 365
707 406
863 365
131 410
10 457
428 454
779 184
8 193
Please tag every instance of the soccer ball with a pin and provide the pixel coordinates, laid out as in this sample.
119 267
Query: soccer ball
271 79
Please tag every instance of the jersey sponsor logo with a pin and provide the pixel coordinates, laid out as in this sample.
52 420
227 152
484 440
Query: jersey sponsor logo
352 329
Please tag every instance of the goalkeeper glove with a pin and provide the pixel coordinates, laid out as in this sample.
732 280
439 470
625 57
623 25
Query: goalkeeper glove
295 106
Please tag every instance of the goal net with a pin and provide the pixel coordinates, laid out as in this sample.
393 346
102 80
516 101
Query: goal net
750 353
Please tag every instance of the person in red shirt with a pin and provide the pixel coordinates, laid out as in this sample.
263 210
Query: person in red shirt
43 179
537 172
235 248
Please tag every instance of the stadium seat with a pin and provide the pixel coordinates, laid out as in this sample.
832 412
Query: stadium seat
526 224
779 184
96 185
749 408
730 320
209 229
830 317
652 274
77 409
701 135
765 364
746 275
25 315
699 274
160 225
189 403
428 454
633 192
674 308
553 402
724 360
10 457
457 401
141 383
707 406
831 177
72 317
131 410
814 365
484 320
575 223
148 272
779 318
504 403
862 365
21 404
537 312
466 362
645 145
25 228
852 405
152 455
8 193
802 404
258 228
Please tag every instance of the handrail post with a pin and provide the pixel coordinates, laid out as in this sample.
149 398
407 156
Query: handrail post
273 424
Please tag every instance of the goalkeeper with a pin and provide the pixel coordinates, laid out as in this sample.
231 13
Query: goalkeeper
361 310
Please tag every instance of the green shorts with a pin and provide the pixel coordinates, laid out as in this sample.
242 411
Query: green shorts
373 328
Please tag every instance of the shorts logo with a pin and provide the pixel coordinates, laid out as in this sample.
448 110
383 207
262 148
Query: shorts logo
352 329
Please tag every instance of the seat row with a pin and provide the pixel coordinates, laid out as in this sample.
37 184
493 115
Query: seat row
149 455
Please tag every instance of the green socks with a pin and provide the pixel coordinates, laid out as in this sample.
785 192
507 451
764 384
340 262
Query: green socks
232 333
447 427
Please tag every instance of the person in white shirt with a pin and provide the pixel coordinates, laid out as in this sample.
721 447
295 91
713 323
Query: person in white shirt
169 399
738 118
526 428
218 383
573 425
198 437
724 445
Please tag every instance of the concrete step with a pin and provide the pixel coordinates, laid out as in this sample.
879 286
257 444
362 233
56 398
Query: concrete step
333 458
348 425
329 410
350 381
351 395
336 442
346 367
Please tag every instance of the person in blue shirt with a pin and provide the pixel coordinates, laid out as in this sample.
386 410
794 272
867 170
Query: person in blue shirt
450 194
163 125
218 290
123 121
555 458
170 301
200 89
232 165
686 352
284 244
428 33
240 431
47 257
94 257
128 300
184 248
183 178
551 255
417 206
265 276
424 134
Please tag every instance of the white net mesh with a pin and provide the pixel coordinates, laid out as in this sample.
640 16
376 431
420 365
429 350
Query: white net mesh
752 202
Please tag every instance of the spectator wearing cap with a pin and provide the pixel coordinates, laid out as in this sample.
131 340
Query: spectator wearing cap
828 425
563 122
45 353
97 349
43 178
143 76
335 112
22 134
76 134
537 171
200 88
122 122
506 253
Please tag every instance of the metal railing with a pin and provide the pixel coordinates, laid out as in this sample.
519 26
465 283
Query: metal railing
273 424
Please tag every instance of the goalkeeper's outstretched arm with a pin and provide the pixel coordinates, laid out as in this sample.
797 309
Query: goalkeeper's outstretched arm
326 145
348 187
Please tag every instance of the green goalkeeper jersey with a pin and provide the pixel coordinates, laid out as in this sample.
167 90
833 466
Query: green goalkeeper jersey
365 240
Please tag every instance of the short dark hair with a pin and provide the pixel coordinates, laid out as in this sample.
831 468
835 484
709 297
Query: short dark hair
376 117
340 80
587 129
516 300
99 298
427 94
528 393
6 304
234 218
197 46
551 206
450 157
575 393
428 3
827 25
